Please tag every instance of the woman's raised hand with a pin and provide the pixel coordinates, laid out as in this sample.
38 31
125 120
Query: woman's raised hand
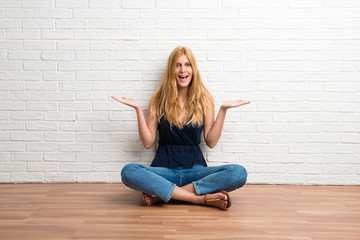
234 103
128 101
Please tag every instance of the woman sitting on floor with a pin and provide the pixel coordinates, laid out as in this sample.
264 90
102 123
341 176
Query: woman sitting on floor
181 109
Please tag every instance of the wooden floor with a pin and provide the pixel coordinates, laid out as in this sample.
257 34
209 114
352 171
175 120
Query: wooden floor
112 211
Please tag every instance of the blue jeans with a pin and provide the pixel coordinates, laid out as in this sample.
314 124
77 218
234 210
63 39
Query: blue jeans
161 181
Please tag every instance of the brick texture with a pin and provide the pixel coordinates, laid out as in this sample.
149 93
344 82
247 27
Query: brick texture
297 61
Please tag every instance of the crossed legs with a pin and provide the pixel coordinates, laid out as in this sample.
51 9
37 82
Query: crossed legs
187 193
199 185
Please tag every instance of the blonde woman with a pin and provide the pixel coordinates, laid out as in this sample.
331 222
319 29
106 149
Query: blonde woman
181 109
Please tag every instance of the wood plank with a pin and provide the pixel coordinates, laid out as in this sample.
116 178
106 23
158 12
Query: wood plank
113 211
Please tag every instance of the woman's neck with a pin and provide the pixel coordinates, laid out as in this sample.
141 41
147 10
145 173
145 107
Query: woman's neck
183 94
182 97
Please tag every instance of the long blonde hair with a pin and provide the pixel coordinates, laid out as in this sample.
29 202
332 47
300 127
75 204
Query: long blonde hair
165 102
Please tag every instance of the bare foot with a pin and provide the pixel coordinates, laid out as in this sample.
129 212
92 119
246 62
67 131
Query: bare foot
151 199
219 200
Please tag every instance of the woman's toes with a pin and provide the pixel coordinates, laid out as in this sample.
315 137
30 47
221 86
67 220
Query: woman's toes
218 200
151 199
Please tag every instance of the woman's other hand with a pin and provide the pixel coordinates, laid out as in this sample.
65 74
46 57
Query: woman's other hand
128 101
233 104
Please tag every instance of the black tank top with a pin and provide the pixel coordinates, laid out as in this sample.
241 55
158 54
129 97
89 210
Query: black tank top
178 148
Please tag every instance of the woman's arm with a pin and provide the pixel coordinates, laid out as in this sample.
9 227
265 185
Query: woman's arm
147 130
213 128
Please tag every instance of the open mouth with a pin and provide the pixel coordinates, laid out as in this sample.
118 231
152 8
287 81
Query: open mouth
183 78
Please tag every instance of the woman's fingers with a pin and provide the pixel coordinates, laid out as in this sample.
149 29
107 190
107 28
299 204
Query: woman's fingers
235 103
127 101
116 98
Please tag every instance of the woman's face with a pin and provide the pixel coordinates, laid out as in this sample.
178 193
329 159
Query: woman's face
183 72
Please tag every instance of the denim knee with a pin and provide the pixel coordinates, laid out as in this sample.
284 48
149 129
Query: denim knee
127 173
239 175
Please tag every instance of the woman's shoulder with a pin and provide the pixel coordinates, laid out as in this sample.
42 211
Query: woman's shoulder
209 97
152 98
209 100
152 102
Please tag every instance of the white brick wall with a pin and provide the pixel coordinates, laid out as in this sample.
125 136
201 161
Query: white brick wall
297 61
